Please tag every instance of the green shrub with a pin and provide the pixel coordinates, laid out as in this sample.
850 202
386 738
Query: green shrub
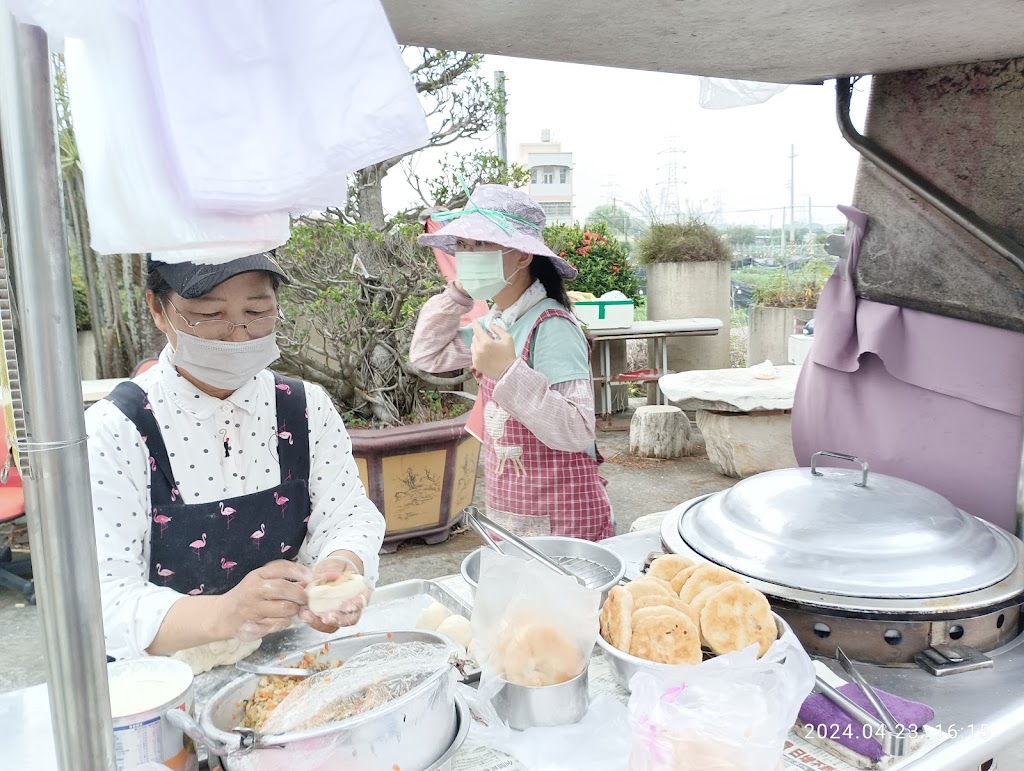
691 241
601 259
792 288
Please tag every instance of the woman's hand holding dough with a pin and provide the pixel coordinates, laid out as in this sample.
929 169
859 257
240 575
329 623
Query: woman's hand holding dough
336 596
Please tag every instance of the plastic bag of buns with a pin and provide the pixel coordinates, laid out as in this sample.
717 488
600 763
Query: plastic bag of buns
732 713
531 626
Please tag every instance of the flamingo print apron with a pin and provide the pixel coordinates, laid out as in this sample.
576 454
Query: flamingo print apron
532 489
207 548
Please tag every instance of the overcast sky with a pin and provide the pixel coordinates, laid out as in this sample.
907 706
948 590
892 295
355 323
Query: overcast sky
619 124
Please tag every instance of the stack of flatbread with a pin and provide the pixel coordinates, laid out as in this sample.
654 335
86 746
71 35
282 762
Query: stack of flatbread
678 609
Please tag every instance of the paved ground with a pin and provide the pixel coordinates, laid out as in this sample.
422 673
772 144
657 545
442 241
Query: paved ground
635 486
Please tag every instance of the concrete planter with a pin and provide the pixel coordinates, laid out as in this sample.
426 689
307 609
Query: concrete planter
681 290
770 329
420 476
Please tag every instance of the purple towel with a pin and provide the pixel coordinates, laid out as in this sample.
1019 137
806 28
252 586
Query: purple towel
820 714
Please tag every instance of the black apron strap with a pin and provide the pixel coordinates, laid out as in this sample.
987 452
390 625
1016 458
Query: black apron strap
131 400
292 429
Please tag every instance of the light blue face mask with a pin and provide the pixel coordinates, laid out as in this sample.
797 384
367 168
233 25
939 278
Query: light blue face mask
482 274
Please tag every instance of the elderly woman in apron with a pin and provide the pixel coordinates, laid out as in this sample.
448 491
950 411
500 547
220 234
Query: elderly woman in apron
220 489
535 407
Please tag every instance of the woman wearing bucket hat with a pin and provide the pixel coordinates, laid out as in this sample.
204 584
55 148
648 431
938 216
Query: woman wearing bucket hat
222 490
535 408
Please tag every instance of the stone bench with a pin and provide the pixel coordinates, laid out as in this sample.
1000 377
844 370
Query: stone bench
745 421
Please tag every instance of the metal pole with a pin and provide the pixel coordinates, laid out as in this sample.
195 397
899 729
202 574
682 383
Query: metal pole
58 498
499 86
792 195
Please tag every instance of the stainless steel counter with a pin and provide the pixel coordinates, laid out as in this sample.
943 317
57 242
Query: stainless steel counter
983 710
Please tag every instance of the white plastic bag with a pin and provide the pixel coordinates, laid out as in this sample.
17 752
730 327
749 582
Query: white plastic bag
129 185
731 713
599 742
764 371
723 93
530 623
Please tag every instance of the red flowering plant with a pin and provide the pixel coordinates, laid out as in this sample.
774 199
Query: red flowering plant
600 258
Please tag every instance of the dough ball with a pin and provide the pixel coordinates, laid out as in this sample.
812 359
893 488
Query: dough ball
325 597
432 616
458 628
222 653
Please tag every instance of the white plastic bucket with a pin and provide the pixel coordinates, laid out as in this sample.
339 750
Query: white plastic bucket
142 691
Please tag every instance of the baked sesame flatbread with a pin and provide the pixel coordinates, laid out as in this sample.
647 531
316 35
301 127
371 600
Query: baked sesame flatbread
656 610
646 585
653 600
668 566
680 578
704 577
737 617
616 618
666 640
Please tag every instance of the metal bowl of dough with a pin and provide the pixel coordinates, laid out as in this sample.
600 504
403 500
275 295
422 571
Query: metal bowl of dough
598 566
624 666
411 731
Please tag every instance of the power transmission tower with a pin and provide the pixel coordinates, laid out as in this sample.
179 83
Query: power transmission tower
670 206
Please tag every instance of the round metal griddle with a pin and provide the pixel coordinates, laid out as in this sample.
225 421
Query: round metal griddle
878 566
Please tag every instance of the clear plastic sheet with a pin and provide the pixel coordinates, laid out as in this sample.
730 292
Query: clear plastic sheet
723 93
531 626
732 713
372 678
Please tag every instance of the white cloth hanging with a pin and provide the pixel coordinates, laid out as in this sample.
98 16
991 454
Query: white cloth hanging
272 105
132 201
201 126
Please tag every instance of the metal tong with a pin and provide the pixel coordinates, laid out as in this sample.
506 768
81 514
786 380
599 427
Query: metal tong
484 526
892 735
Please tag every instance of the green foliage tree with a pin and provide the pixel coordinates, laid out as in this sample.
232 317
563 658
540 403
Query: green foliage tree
618 220
740 235
600 258
474 169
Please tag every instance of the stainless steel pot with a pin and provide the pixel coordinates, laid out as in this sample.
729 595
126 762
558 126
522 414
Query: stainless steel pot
598 566
879 566
411 732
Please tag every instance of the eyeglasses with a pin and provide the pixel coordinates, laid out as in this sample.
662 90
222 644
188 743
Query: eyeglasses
218 329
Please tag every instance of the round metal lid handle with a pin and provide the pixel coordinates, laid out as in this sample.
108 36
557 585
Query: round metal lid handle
852 458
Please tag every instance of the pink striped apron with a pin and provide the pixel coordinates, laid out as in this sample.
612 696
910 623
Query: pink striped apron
532 489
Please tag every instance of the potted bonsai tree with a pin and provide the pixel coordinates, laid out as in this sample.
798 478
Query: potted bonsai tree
351 311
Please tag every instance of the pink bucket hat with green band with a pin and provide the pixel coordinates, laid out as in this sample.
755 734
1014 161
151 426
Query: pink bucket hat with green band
497 214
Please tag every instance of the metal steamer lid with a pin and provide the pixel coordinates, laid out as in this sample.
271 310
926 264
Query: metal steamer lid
849 534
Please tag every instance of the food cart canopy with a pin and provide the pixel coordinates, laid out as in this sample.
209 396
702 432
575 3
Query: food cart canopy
768 40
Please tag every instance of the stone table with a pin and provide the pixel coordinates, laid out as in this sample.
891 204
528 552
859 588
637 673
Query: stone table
745 421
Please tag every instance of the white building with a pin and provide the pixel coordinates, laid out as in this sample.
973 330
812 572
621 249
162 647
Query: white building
550 177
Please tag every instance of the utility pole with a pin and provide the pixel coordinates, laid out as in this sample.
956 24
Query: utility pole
792 195
810 222
499 86
782 235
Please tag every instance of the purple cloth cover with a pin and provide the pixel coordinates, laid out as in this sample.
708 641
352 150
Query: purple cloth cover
931 399
820 714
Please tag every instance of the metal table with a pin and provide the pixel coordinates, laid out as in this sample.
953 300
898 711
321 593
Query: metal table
984 709
659 331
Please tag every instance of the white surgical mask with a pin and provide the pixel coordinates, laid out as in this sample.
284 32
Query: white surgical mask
224 364
482 274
